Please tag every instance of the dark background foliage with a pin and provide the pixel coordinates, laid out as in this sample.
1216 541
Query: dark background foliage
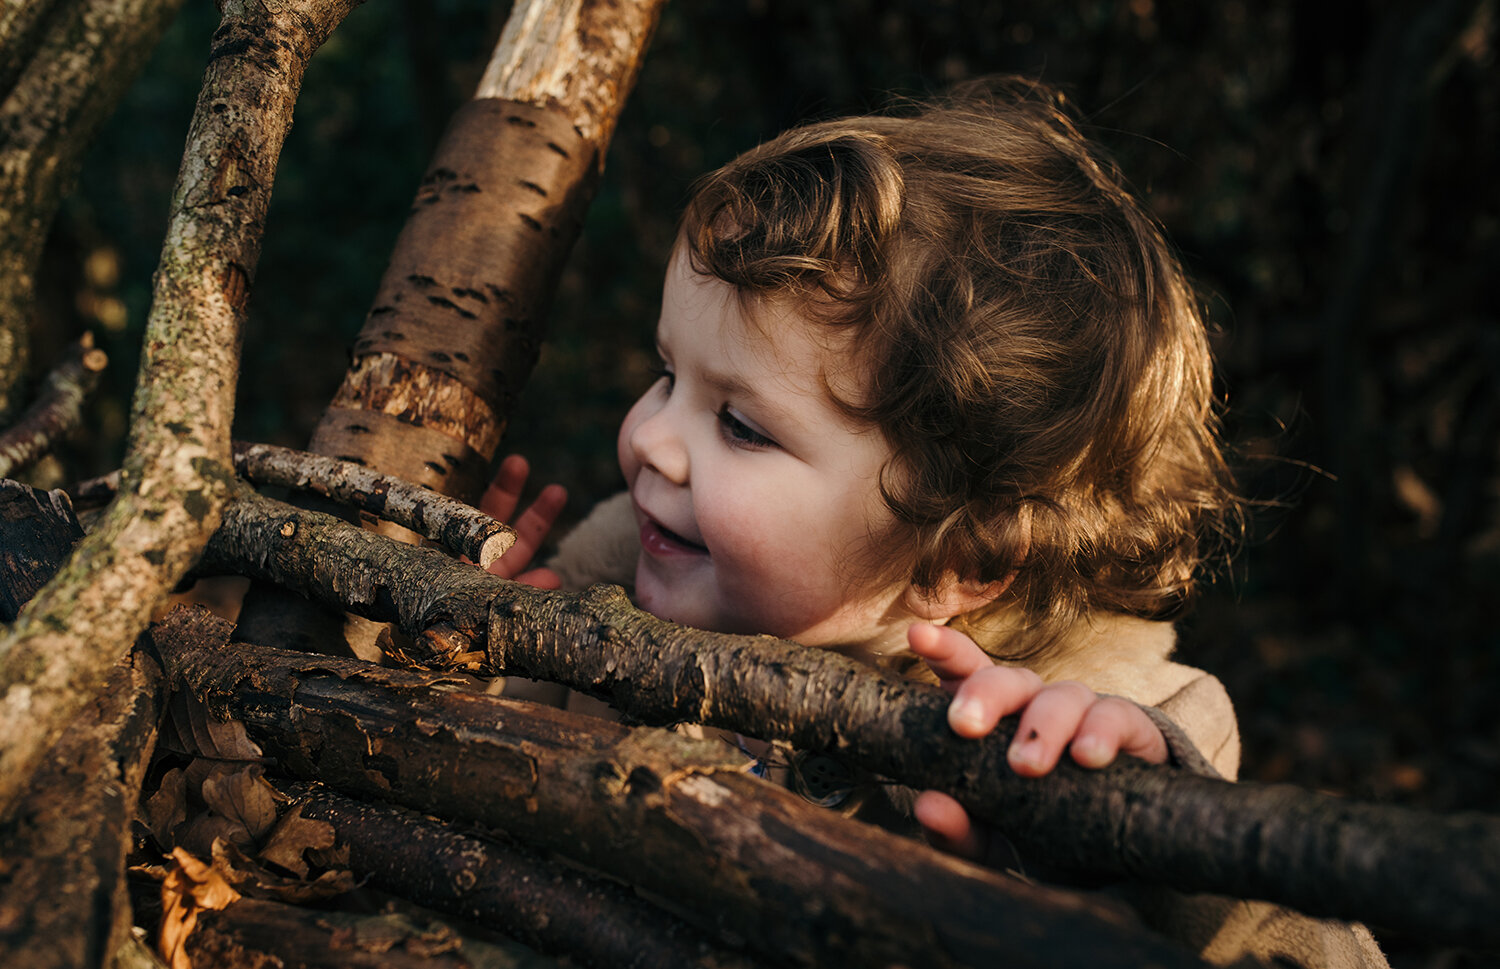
1328 171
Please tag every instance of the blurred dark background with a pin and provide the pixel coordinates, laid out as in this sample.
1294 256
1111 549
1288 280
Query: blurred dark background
1328 172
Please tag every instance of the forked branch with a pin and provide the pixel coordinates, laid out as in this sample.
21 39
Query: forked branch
177 469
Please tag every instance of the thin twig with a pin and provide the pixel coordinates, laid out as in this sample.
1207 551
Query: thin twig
460 528
56 411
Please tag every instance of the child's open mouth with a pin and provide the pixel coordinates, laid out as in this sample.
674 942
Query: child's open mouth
660 540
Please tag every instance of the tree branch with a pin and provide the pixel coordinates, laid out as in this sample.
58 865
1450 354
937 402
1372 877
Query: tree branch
62 890
458 320
460 528
551 907
1318 854
176 470
581 57
673 816
253 933
63 67
56 411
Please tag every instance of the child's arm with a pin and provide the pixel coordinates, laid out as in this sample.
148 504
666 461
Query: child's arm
499 502
1054 716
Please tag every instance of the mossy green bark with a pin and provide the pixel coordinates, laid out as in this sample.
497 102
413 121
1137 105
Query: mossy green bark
177 470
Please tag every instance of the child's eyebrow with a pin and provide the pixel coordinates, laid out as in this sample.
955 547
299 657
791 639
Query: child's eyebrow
725 383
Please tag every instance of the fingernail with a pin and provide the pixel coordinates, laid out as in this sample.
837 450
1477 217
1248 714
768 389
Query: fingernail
1089 751
966 715
1026 753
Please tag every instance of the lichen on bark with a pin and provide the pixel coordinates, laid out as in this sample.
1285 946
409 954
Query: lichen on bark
55 657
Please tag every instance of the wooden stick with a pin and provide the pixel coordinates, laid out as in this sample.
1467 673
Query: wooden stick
673 816
458 320
63 68
551 907
62 890
57 409
1318 854
177 469
253 933
460 528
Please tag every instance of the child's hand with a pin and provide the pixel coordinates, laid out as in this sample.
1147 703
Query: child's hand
499 502
1054 716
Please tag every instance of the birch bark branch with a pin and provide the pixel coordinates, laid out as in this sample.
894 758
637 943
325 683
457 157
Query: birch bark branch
1320 855
458 320
177 468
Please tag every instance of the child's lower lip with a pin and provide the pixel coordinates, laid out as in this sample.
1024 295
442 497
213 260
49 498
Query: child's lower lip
658 541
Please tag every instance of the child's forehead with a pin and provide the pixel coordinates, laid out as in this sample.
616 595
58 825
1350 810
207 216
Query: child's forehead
775 332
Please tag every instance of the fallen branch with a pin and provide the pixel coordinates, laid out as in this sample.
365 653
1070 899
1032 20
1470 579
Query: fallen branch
460 528
673 816
63 67
63 900
551 907
37 533
177 469
57 409
1318 854
252 933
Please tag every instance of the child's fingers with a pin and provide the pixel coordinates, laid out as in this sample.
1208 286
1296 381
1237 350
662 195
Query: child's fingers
540 578
531 530
985 697
951 655
948 826
1051 720
504 493
1114 726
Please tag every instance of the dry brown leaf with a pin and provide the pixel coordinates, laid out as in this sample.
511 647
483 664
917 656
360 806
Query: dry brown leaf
200 769
292 837
190 887
199 833
191 728
243 796
257 881
167 808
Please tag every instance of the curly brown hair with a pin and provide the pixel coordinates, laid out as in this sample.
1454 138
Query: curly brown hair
1035 356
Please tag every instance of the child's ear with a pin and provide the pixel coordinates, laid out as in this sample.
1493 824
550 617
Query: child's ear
954 597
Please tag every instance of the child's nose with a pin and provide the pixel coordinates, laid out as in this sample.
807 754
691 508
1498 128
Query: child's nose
658 446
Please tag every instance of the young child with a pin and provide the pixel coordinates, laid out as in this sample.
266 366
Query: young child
934 393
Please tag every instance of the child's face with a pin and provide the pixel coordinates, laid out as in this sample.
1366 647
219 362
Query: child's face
757 500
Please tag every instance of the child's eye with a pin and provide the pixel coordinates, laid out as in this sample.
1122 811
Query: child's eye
660 372
739 433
